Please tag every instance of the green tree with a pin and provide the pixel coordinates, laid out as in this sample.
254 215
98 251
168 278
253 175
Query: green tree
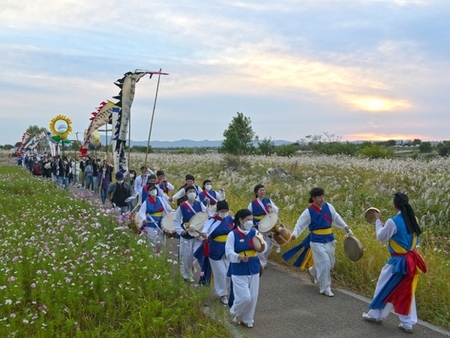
425 147
266 147
75 146
35 130
390 143
444 149
238 138
416 141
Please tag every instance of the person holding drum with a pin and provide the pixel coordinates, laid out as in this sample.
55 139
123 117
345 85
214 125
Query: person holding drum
151 213
141 181
244 268
260 207
207 192
162 183
189 242
398 278
180 196
319 218
216 229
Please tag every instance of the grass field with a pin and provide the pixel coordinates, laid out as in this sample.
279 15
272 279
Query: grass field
60 234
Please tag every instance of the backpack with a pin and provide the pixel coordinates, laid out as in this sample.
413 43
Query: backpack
36 168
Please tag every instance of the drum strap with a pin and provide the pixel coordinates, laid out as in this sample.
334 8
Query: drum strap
210 196
248 253
153 223
262 205
327 231
221 238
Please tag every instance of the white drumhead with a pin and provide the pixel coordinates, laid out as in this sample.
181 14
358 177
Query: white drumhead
268 222
196 223
167 223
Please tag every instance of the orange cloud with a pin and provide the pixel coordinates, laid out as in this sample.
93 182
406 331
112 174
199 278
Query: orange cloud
381 137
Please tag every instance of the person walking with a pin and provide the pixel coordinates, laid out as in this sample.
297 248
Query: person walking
319 218
118 192
151 212
188 244
398 279
244 268
216 230
260 207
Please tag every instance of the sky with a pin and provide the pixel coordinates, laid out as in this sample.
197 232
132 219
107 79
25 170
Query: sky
355 69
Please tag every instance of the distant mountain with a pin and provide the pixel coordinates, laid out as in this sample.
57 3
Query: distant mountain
186 143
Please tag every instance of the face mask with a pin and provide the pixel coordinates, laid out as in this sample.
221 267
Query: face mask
131 175
153 192
191 195
223 214
120 182
208 187
248 225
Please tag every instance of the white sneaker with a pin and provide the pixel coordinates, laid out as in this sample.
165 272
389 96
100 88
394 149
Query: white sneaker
236 320
405 329
248 325
368 318
224 300
328 294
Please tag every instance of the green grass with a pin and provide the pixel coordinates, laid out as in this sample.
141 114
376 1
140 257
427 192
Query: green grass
70 269
351 185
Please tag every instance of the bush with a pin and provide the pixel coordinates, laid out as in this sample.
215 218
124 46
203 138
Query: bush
425 147
335 148
287 150
376 151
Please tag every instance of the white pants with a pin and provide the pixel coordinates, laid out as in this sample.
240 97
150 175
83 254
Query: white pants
245 289
324 260
187 249
156 238
264 256
221 281
409 320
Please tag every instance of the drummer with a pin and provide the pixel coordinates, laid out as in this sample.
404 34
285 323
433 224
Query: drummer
261 206
214 196
319 217
151 213
216 229
188 243
244 268
189 182
163 184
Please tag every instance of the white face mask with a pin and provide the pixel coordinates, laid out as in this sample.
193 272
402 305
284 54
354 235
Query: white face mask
192 195
131 175
153 192
120 182
248 225
223 214
208 187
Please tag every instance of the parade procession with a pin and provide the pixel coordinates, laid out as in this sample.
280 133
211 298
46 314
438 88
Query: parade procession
222 237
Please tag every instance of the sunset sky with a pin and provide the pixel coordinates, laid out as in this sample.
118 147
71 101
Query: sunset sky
359 69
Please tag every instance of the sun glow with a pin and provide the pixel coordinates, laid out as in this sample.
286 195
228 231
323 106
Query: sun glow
378 104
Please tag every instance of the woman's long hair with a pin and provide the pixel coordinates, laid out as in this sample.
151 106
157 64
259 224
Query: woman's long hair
401 202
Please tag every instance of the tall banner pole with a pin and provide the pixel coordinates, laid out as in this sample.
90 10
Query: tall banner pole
129 142
153 114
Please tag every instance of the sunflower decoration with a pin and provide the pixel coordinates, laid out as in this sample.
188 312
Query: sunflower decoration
61 126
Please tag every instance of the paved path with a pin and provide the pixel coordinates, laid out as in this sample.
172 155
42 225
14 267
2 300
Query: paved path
289 305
